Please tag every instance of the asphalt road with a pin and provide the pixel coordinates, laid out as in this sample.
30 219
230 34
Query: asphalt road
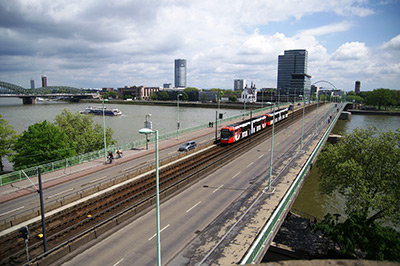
187 214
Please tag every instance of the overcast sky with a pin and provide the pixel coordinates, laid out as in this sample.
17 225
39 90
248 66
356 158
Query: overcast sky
94 43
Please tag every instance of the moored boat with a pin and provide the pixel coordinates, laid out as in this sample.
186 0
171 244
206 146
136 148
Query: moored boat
93 110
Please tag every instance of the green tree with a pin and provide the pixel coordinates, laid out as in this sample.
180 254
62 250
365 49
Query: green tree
364 167
7 138
41 143
356 233
381 97
189 89
153 96
163 96
110 95
83 132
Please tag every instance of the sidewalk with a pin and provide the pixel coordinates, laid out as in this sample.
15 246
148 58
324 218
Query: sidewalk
24 187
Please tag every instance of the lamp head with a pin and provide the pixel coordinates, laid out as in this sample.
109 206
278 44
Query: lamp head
146 131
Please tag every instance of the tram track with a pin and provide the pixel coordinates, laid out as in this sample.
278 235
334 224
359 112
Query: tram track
132 196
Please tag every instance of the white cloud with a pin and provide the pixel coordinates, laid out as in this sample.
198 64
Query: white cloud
393 44
350 51
126 42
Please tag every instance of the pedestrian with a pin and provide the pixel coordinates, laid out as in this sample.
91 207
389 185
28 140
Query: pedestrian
119 153
110 156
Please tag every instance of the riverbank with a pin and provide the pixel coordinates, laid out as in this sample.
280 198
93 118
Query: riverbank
368 112
213 105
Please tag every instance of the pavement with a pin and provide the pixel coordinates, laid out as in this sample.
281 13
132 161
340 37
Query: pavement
24 187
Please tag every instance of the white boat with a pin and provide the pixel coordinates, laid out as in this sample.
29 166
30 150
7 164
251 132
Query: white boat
93 110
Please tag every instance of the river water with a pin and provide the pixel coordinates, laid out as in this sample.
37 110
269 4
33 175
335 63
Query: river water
164 119
126 127
310 200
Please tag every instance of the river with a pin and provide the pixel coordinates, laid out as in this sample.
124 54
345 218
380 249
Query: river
164 119
310 200
126 127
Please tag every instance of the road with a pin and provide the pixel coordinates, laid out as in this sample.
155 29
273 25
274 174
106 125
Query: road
186 215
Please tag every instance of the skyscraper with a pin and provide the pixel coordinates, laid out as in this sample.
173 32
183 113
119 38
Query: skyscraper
180 73
239 84
292 73
357 87
44 81
32 83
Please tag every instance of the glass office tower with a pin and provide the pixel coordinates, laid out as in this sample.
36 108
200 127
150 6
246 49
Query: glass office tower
292 73
180 73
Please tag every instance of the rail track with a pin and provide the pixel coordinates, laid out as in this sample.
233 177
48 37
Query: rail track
131 197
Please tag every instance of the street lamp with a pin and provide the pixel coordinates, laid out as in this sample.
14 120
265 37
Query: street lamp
149 131
104 133
302 125
177 128
316 114
272 147
147 124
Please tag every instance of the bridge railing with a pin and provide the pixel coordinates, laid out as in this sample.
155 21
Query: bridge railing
266 234
90 156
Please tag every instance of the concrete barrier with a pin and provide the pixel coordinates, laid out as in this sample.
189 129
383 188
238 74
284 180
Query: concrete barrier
70 199
51 206
127 215
82 241
53 256
89 191
105 227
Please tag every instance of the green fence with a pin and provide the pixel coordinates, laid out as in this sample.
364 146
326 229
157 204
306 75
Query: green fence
266 233
81 158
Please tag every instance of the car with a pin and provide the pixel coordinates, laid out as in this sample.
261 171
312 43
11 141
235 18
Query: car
187 146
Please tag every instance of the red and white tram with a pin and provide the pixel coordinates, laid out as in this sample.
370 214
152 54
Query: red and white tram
240 130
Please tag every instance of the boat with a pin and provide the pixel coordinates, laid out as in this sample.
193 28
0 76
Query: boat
93 110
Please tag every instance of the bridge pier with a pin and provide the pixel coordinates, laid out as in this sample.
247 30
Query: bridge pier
29 100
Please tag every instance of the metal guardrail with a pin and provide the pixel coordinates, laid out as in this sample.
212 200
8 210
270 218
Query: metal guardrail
82 158
266 233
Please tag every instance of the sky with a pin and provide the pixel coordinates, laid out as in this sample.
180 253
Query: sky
117 43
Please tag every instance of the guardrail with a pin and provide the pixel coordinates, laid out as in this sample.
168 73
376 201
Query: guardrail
82 158
267 232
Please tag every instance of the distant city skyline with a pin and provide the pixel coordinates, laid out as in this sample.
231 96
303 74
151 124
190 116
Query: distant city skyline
86 44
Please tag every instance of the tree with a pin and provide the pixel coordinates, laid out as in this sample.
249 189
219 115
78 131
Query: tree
364 167
83 132
40 143
110 95
381 97
7 137
163 96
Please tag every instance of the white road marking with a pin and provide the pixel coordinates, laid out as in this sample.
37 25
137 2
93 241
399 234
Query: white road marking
100 178
218 188
12 211
235 175
160 232
59 193
250 164
118 262
193 207
260 156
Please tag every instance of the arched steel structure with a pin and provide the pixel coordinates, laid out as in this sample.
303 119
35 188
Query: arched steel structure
10 88
319 81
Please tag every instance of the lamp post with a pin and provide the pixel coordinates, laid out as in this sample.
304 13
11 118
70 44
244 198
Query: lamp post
302 125
316 114
104 133
147 124
272 147
149 131
177 128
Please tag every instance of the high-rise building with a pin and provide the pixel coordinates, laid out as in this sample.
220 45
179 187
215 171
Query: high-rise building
357 87
292 73
32 83
239 84
44 81
180 73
